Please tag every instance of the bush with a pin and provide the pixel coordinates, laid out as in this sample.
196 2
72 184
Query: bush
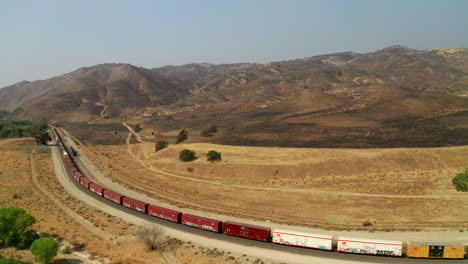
461 181
14 224
138 128
213 156
208 131
44 249
10 261
66 250
186 155
161 145
183 135
367 223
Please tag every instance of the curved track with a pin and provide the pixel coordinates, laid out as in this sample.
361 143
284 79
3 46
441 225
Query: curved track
236 245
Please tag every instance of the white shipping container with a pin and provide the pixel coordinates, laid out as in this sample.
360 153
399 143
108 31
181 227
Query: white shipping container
370 246
294 238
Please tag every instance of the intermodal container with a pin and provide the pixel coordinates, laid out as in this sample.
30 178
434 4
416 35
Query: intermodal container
96 188
164 213
135 204
85 182
301 239
435 250
113 196
370 246
202 222
246 231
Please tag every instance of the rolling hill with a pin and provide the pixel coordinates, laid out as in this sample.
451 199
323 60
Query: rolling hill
389 98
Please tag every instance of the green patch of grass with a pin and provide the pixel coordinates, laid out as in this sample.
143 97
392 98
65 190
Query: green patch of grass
228 182
339 218
327 194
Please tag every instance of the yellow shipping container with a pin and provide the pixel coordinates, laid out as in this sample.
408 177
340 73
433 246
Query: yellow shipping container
435 250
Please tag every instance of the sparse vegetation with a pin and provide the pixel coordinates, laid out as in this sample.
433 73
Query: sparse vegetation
43 138
161 145
151 235
213 156
183 135
367 223
14 224
138 128
20 128
10 261
44 249
187 155
209 131
67 250
461 181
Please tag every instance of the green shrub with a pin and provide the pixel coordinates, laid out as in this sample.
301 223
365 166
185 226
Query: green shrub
66 250
44 249
213 156
14 224
183 135
186 155
161 145
461 181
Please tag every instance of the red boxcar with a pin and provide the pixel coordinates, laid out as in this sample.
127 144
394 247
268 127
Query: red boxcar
77 175
96 188
85 182
247 231
113 196
202 222
164 213
135 204
73 169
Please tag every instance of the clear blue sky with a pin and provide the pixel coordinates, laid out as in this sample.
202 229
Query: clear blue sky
41 39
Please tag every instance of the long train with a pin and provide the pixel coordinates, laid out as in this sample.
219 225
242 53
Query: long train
260 233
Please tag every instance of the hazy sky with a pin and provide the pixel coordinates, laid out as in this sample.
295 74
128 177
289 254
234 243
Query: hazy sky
41 39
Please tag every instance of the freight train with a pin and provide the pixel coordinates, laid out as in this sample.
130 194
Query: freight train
265 234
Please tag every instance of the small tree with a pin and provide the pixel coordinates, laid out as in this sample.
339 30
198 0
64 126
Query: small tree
43 138
151 235
138 128
161 145
213 156
44 249
183 135
209 131
461 181
187 155
14 224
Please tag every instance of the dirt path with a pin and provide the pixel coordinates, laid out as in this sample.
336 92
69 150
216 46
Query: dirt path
102 113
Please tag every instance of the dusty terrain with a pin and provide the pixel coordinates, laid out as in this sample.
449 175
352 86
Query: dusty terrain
102 236
407 189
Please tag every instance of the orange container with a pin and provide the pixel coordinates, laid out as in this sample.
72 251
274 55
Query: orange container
435 250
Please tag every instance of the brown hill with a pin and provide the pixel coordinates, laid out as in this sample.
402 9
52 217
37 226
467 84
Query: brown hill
392 97
82 95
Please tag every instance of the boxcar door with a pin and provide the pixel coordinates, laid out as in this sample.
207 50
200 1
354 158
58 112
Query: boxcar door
436 251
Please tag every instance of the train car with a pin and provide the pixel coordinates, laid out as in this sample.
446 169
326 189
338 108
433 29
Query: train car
135 204
435 250
113 196
301 239
370 246
85 181
77 175
202 222
165 213
96 188
247 231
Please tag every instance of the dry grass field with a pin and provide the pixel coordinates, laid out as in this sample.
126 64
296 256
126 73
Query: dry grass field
402 188
17 189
